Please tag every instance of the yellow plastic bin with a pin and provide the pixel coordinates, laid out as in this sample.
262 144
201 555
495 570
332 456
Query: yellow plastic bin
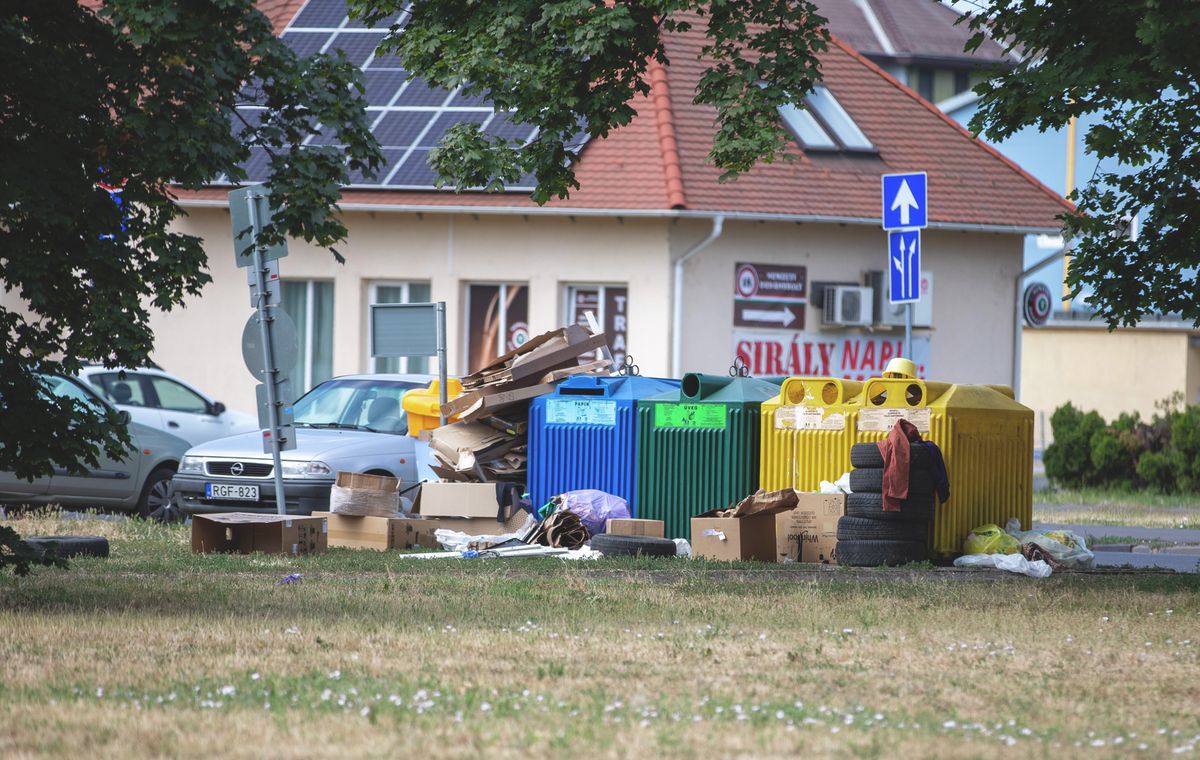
424 405
806 432
986 439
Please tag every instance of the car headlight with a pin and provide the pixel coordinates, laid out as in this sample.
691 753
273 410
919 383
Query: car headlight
313 469
192 465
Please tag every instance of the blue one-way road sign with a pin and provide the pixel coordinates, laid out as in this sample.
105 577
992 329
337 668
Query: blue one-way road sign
904 266
904 203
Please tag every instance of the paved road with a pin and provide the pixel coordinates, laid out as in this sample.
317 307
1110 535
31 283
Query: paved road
1181 563
1175 535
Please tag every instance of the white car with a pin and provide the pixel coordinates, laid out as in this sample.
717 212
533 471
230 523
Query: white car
164 402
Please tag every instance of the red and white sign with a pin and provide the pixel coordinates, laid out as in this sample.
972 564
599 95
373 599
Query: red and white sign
850 357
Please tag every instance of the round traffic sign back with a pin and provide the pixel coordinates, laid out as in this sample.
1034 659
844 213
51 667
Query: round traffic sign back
284 343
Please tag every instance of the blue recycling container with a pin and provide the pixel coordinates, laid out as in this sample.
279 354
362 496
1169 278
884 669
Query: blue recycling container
583 435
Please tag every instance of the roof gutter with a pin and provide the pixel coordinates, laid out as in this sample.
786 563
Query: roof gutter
718 226
643 213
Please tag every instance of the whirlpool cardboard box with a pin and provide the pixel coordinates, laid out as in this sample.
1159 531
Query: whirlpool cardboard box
380 533
244 532
808 533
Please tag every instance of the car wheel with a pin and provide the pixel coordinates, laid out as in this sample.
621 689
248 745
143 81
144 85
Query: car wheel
158 497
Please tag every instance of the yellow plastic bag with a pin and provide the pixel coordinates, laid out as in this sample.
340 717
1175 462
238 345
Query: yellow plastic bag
991 539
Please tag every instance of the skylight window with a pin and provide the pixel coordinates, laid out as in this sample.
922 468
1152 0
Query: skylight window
823 125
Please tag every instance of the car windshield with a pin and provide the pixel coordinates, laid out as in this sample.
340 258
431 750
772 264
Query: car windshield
355 404
64 387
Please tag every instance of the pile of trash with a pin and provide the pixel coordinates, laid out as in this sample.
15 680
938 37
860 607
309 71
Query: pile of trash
489 441
1032 552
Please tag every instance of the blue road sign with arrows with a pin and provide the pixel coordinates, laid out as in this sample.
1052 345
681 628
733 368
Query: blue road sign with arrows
904 266
904 202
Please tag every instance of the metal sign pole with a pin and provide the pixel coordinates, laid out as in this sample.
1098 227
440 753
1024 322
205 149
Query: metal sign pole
270 371
908 319
441 357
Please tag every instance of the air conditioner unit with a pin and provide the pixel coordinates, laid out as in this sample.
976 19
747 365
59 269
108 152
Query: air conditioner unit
888 313
848 306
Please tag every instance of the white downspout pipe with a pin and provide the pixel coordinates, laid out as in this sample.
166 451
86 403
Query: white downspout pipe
718 225
1019 323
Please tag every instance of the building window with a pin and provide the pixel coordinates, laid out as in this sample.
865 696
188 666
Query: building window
497 321
400 292
610 305
822 124
962 81
310 305
925 83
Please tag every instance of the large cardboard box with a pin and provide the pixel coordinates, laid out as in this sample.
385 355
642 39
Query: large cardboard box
808 533
380 533
244 532
734 538
623 526
460 500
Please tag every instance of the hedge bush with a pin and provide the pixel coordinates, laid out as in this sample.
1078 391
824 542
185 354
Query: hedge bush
1162 455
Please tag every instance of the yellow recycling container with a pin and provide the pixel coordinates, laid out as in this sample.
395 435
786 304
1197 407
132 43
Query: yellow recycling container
806 431
424 405
985 436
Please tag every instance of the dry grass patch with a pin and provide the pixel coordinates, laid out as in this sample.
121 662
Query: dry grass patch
373 655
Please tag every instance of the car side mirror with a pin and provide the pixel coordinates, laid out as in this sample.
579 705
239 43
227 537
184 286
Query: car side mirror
125 416
218 408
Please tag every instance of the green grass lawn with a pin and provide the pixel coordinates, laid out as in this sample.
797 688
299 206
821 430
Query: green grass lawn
157 651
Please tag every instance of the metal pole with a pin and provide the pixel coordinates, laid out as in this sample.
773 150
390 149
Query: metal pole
908 312
270 370
441 357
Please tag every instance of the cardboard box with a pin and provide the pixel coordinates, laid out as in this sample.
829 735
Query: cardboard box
380 533
356 493
243 533
808 533
629 527
734 538
460 500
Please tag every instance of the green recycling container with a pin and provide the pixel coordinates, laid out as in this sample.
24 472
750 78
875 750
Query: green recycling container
698 447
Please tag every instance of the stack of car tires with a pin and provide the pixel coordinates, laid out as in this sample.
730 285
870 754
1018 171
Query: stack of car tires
867 535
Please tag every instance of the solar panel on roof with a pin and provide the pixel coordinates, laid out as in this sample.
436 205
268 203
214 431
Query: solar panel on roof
408 117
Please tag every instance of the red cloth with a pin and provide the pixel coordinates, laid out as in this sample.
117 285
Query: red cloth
896 460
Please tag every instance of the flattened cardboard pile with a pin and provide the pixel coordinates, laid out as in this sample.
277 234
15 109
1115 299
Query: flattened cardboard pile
488 443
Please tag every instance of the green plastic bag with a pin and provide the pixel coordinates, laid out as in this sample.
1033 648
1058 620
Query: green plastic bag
991 539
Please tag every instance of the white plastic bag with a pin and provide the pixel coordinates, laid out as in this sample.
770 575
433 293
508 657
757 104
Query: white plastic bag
1013 563
841 485
595 508
1066 547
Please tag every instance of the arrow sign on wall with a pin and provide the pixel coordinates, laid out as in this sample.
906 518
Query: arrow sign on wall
768 314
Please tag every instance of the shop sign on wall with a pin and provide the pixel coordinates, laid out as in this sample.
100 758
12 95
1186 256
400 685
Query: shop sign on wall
850 357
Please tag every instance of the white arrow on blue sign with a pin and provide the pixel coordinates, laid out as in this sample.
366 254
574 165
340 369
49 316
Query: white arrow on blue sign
904 266
904 202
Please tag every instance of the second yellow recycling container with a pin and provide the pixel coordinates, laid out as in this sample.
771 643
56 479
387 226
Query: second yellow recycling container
986 439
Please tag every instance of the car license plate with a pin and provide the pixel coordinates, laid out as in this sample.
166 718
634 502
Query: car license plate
225 491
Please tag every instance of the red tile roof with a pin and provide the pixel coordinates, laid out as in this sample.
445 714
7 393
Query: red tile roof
658 162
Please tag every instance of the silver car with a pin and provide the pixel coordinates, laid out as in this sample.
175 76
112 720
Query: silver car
164 401
352 423
140 482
